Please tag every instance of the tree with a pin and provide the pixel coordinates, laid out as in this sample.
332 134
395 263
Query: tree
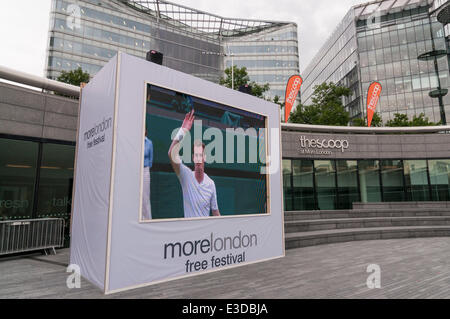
241 77
402 120
277 100
326 107
74 77
398 120
421 120
376 121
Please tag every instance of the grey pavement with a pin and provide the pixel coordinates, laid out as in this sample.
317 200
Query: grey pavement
410 268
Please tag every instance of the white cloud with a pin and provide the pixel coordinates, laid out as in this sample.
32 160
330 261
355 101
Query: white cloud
24 34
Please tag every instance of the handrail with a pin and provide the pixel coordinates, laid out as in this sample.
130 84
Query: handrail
39 82
362 130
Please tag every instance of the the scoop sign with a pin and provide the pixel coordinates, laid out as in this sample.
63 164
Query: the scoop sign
372 99
292 88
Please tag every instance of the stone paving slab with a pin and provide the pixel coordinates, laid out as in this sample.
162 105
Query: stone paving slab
410 268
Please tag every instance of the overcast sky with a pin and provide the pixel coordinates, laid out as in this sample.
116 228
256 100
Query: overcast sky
24 24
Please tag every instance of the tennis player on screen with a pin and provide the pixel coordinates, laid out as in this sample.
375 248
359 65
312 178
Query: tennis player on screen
199 191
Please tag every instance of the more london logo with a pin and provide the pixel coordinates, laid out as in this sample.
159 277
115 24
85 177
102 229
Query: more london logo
96 135
321 146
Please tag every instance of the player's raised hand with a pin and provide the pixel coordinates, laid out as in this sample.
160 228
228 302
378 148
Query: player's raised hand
188 120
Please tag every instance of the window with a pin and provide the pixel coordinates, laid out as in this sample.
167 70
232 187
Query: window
369 181
18 160
387 55
372 59
385 39
402 36
379 56
404 52
410 35
364 59
418 102
370 43
390 86
365 77
362 44
397 69
347 182
380 72
399 88
416 179
418 30
377 41
405 68
325 184
396 53
407 84
439 179
394 37
373 73
392 180
55 180
389 68
287 184
303 190
414 65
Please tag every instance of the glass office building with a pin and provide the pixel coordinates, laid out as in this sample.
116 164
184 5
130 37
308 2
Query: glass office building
87 33
381 41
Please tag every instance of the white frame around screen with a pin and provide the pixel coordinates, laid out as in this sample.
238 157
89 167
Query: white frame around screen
266 149
106 287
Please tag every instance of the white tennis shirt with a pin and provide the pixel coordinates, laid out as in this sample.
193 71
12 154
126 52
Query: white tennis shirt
199 199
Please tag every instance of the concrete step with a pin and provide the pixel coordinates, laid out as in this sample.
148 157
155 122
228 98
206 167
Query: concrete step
364 213
303 239
435 204
342 223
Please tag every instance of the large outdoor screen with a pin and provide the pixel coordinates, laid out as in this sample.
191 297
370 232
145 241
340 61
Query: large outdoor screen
174 176
201 158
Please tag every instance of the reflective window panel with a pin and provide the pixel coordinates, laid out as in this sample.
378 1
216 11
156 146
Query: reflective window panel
416 180
18 160
325 177
347 183
392 180
287 185
439 179
303 184
369 181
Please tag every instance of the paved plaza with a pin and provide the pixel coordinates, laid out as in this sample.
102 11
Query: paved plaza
410 268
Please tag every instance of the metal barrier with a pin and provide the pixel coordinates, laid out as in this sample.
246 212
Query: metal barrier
31 234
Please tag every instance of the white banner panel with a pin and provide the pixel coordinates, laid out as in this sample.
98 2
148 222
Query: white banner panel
144 252
93 175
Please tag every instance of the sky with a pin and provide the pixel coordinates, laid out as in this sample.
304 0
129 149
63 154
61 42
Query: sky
24 25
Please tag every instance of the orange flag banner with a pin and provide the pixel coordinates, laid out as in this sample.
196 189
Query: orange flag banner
373 95
292 88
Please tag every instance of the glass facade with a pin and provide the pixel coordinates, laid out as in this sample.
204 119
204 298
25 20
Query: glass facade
336 184
87 33
36 179
385 49
269 57
335 62
389 55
